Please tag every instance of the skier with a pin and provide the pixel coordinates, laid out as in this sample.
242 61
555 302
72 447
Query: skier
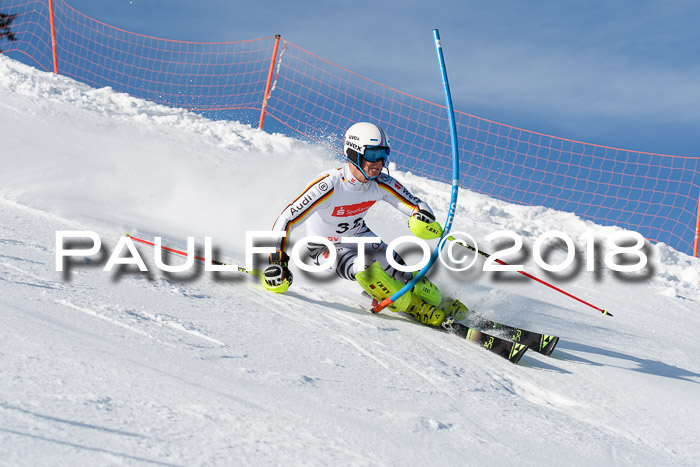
333 206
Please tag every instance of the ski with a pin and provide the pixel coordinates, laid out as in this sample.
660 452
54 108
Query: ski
541 343
511 351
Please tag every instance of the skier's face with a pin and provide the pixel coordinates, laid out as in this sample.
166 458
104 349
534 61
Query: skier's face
372 169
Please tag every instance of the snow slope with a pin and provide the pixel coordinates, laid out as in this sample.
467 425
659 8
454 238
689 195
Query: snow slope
200 368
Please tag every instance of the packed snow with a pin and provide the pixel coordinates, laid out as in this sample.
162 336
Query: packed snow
202 368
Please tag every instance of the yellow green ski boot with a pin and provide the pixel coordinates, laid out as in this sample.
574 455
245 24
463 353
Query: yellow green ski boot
427 291
455 309
379 285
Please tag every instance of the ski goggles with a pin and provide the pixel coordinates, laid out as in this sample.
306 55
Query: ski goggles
375 153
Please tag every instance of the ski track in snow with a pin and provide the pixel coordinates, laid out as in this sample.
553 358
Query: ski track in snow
135 368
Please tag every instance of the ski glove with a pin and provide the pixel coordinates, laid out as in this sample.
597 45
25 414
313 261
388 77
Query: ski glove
277 277
424 216
423 225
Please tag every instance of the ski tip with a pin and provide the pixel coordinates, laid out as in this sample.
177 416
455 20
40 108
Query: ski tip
548 348
517 352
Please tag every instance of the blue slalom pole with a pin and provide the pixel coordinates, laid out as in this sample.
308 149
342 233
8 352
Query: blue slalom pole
455 182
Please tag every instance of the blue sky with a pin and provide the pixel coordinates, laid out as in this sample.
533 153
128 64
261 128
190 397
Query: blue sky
619 73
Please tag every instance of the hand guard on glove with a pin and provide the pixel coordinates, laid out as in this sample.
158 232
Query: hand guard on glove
423 225
277 277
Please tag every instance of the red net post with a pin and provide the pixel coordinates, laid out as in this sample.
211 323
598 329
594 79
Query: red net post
269 81
697 231
53 38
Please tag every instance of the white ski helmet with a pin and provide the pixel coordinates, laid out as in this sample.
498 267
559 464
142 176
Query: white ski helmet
365 140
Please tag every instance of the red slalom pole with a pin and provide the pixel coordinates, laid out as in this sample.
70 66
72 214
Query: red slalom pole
503 263
254 272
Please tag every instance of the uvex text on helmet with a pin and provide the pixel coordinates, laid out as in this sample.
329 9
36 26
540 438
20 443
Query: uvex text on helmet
361 136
